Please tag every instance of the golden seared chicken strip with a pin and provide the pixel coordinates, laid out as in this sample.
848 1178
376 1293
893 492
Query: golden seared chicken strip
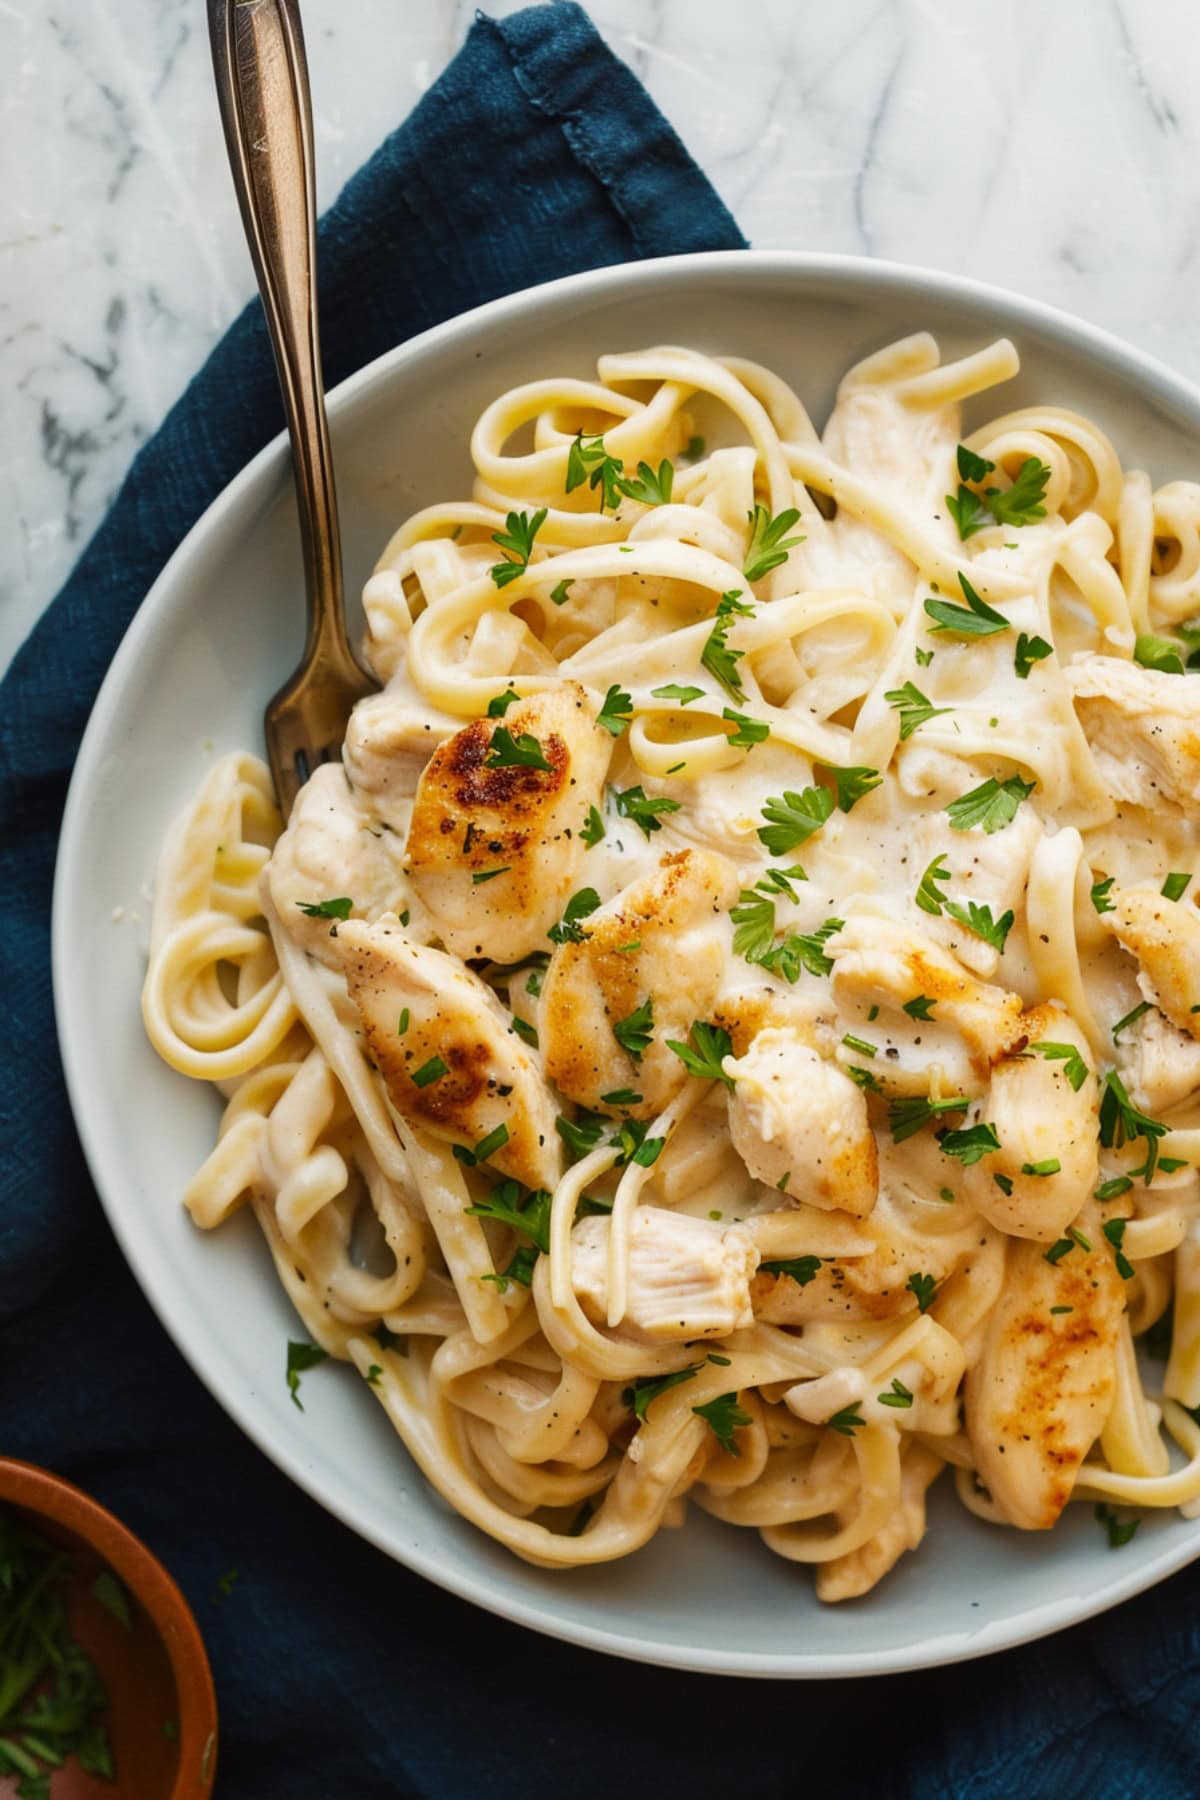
930 1010
447 1051
1160 1064
1164 935
867 1276
846 1577
746 1010
1041 1392
331 852
1143 726
494 846
649 963
799 1124
1044 1104
389 740
688 1278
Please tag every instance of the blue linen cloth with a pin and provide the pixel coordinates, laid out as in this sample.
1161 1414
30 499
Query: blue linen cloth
536 154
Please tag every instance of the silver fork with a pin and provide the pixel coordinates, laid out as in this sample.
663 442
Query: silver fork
262 87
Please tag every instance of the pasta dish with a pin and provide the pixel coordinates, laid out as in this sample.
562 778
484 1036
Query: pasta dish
728 1029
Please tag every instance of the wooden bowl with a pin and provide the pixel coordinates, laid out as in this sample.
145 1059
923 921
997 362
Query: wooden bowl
162 1715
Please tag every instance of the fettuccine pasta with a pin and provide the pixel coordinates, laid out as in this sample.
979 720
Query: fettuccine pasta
728 1031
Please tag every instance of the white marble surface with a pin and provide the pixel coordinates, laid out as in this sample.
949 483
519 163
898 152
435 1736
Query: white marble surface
1049 145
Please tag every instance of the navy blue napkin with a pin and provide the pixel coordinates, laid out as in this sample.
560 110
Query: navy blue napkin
536 154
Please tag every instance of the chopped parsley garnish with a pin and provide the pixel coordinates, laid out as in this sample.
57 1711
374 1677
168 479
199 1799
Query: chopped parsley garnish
749 731
968 512
524 1030
1049 1165
803 950
929 897
1158 653
520 752
481 875
861 1045
649 488
848 1420
975 619
1075 1068
851 783
635 1033
580 906
673 691
519 1269
299 1358
703 1054
516 541
511 1205
1119 1530
588 460
1056 1252
1130 1018
923 1288
920 1008
1004 1183
561 593
1114 1231
1029 651
403 1024
979 920
781 881
924 657
500 703
1062 1309
723 1416
429 1072
1022 502
616 712
633 804
793 818
1175 886
905 1117
622 1097
340 908
800 1269
644 1393
694 449
592 829
971 1144
972 467
754 925
914 707
487 1146
716 656
1100 893
1112 1190
992 805
897 1394
769 544
1120 1121
581 1135
863 1078
373 1374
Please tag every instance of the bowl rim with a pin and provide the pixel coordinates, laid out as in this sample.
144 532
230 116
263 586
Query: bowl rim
263 474
51 1497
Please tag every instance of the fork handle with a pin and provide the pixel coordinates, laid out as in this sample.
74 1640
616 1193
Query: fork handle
262 87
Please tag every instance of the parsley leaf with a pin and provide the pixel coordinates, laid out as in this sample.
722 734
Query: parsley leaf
1100 893
429 1072
649 488
716 656
1029 651
929 897
635 1033
592 829
979 920
1114 1231
1021 503
1176 886
517 543
569 929
1049 1165
723 1416
920 1008
581 1135
1130 1018
1119 1531
749 731
923 1287
520 752
299 1358
524 1030
754 926
972 467
340 908
622 1097
905 1117
644 1393
851 783
526 1213
803 950
1158 653
479 876
768 544
914 707
1120 1121
703 1055
500 703
800 1269
633 804
897 1395
616 712
588 460
487 1146
975 619
968 512
993 804
673 691
848 1420
970 1145
562 592
519 1269
793 818
1075 1068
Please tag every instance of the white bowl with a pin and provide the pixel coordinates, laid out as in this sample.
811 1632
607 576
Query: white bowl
218 632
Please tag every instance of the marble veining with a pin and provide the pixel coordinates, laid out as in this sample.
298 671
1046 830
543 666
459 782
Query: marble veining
1054 149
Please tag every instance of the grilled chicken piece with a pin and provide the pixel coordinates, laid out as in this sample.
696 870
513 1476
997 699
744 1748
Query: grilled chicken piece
880 962
470 819
1040 1118
1160 1063
454 1020
798 1123
1041 1392
330 851
989 868
871 1283
390 738
745 1011
1143 727
846 1577
676 919
1164 935
688 1278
